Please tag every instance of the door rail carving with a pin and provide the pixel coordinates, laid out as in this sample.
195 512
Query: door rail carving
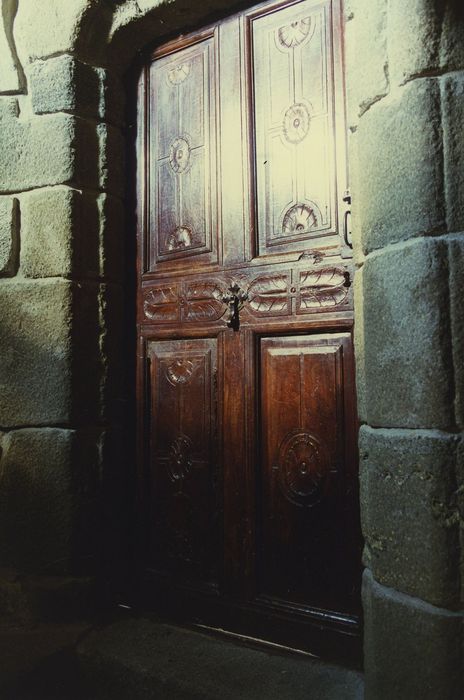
316 289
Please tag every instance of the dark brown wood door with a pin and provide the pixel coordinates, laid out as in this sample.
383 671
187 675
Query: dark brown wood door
247 479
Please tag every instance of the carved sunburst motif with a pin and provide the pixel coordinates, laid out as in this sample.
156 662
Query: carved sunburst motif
291 35
179 239
177 74
296 123
299 219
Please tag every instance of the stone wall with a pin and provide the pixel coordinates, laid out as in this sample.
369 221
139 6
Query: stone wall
406 116
61 307
62 262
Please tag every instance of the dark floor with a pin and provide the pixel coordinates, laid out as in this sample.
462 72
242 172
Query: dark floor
139 658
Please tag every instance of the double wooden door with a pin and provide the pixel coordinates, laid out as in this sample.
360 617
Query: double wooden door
247 419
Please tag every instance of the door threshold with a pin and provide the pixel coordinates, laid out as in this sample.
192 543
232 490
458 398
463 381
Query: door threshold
253 641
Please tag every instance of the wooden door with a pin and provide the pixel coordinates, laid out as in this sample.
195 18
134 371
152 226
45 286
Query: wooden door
247 478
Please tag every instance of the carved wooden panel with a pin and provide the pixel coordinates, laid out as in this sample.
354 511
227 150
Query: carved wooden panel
294 137
184 469
182 155
303 468
320 288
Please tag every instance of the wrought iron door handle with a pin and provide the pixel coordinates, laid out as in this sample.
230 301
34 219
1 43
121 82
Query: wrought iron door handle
234 300
347 200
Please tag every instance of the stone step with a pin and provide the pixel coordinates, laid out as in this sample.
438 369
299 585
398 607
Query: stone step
140 659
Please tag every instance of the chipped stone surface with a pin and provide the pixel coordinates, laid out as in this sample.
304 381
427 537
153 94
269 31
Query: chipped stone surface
401 189
9 236
407 345
424 36
60 233
366 56
408 485
65 84
456 283
47 150
452 88
35 362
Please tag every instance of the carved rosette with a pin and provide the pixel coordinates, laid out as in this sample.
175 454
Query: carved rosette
296 123
303 468
179 154
180 372
295 33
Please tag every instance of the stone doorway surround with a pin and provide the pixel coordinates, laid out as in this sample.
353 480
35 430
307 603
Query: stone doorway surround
63 67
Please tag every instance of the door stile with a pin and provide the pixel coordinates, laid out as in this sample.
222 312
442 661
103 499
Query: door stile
238 492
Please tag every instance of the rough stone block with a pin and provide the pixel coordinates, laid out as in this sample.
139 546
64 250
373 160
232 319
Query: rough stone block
412 650
460 508
401 185
47 150
112 97
64 84
98 344
53 27
49 496
60 236
456 285
112 217
36 512
366 52
408 484
35 362
407 345
359 344
424 36
453 126
9 236
111 159
113 348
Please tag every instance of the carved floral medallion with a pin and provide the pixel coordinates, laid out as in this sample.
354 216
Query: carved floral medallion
303 469
179 154
296 123
180 372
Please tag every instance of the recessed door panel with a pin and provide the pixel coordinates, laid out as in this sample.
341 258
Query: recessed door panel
293 104
304 470
185 473
182 154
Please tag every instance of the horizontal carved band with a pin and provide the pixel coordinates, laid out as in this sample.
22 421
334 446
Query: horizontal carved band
267 295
